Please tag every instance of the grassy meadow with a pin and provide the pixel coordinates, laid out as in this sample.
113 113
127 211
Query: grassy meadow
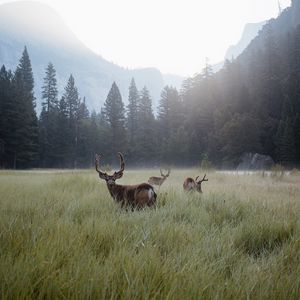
62 236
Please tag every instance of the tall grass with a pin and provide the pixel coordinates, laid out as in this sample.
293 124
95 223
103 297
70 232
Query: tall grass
62 236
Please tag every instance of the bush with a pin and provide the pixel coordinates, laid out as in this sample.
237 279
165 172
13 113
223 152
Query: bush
206 164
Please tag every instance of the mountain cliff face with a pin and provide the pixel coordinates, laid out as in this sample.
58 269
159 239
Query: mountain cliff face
48 38
250 32
279 28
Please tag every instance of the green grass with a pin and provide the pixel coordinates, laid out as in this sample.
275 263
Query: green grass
62 236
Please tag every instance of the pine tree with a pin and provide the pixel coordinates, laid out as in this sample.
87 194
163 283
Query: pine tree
84 143
49 90
132 118
271 87
285 136
146 148
71 97
238 136
26 134
170 119
207 72
48 121
25 70
285 142
63 135
6 117
115 116
297 138
72 100
170 111
164 113
83 112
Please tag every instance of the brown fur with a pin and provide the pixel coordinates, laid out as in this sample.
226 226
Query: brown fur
135 196
193 185
156 180
159 180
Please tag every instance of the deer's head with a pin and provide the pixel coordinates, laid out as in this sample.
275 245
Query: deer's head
198 183
164 176
110 179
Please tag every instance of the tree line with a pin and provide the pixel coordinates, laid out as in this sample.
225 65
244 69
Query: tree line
251 105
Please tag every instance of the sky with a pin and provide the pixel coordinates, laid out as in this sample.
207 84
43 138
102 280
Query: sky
175 36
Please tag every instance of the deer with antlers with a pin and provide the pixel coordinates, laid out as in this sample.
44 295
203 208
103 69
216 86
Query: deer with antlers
159 180
136 196
193 185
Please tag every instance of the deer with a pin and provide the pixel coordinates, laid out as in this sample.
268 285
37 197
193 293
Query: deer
159 180
135 196
193 185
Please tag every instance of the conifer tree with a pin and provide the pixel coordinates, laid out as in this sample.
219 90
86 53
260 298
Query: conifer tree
63 139
146 147
207 71
132 108
285 142
25 70
285 137
271 87
49 90
83 112
170 119
71 97
115 117
26 143
48 129
6 118
84 143
169 111
72 102
132 118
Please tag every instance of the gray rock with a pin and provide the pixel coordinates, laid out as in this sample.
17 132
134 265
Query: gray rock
255 161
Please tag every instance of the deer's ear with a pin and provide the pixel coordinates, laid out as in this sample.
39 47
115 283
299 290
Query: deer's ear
102 176
118 175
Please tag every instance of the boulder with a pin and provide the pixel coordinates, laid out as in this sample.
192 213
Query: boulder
255 161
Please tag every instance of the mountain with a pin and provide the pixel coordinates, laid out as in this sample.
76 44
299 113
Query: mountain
280 28
47 38
250 31
252 105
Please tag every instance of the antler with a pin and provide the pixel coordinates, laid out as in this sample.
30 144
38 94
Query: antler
119 174
203 179
97 166
161 173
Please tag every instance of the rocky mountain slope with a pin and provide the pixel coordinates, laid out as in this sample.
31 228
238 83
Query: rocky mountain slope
48 38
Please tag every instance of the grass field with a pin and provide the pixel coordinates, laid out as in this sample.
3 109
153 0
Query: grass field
62 236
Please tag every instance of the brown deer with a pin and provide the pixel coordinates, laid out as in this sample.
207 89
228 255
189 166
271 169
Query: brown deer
136 196
159 180
193 185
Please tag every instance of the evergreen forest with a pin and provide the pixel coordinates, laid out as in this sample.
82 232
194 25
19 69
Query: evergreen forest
251 106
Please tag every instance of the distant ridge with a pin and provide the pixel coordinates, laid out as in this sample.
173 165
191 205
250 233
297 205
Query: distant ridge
47 38
250 31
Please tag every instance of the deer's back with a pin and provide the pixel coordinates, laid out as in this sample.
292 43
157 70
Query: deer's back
189 184
139 196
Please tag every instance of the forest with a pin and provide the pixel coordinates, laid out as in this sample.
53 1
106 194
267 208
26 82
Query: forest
251 106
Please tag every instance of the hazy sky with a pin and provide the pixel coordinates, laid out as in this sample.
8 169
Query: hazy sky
173 35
